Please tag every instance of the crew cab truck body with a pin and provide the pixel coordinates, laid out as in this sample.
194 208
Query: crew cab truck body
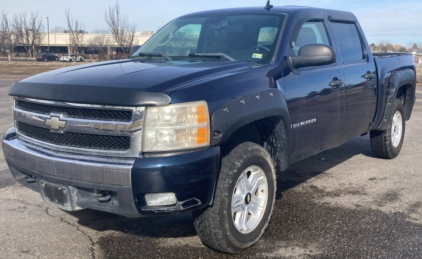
203 115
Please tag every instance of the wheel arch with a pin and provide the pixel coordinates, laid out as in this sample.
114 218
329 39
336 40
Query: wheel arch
407 91
399 82
261 118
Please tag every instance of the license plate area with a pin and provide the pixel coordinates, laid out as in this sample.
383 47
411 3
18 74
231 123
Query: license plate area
57 195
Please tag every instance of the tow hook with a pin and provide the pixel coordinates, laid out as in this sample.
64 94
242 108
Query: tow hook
30 179
103 197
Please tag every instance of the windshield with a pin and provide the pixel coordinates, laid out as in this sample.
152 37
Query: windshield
241 37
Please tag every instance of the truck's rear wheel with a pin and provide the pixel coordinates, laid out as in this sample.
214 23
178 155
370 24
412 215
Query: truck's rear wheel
243 201
387 144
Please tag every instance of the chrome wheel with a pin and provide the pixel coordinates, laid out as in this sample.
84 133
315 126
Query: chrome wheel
396 129
249 199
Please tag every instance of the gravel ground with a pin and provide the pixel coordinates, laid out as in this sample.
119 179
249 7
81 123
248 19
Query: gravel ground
342 203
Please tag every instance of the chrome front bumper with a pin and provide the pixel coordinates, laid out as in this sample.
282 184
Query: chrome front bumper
67 166
86 175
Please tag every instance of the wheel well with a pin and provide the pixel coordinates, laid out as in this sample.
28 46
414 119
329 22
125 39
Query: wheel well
270 133
406 94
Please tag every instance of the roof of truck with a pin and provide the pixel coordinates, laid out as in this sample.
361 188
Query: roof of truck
260 9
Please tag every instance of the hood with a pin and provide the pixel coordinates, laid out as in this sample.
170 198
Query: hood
126 80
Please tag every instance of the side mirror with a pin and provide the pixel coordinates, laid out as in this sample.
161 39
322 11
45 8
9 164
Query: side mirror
133 49
314 55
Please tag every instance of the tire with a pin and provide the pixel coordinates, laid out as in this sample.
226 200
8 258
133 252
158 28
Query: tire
388 143
216 224
45 59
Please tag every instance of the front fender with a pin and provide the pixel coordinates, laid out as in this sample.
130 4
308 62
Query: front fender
241 111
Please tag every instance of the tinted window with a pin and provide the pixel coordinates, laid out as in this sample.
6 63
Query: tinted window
348 41
311 33
183 41
244 37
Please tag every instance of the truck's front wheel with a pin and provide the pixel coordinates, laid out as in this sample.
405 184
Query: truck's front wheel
388 143
243 201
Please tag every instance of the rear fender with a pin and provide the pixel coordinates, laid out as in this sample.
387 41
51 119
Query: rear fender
394 81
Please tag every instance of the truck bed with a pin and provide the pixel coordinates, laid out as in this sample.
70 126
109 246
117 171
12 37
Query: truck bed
388 55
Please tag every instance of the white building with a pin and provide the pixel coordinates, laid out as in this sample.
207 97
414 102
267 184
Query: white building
59 43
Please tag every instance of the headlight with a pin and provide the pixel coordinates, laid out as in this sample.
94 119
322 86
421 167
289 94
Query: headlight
176 127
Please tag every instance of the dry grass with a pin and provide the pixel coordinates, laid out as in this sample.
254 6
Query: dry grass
32 67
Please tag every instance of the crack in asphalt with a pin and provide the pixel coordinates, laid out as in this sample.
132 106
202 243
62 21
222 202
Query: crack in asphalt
4 189
21 201
91 248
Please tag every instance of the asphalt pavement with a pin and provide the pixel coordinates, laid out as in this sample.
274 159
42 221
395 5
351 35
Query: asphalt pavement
342 203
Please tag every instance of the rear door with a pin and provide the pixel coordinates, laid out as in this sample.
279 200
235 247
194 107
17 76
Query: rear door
313 104
360 78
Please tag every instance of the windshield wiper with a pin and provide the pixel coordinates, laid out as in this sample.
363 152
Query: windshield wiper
212 55
155 54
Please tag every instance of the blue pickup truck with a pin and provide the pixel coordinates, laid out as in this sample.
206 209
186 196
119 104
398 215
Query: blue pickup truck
203 115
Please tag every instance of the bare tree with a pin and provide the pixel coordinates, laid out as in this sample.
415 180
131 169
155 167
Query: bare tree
12 32
2 33
123 32
76 34
100 43
32 31
58 29
373 47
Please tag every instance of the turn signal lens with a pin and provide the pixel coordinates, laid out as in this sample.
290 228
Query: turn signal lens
176 127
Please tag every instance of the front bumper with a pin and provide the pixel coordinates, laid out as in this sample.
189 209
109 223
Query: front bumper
191 176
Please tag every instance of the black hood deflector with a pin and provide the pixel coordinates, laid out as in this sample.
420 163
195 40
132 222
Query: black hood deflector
85 94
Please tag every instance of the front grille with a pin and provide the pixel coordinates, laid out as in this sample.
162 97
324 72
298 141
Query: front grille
71 139
92 114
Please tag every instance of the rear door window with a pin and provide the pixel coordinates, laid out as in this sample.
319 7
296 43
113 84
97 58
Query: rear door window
349 42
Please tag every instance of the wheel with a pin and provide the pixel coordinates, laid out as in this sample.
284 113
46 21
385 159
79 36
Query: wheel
45 59
57 59
70 60
244 199
387 144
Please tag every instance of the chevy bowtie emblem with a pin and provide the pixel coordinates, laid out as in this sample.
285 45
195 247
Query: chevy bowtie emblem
55 123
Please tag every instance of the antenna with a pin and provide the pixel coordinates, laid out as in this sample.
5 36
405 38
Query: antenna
268 6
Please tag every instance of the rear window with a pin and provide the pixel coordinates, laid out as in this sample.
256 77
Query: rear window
348 39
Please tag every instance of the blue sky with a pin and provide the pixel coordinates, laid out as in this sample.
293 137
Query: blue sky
398 21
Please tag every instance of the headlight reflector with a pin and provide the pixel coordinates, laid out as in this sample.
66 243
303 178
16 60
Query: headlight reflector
176 127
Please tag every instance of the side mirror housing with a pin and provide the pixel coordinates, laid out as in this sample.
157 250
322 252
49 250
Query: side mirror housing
314 55
133 49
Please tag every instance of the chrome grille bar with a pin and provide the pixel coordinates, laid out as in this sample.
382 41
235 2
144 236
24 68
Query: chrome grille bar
132 129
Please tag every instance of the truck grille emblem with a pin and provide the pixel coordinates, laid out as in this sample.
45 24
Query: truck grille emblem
55 123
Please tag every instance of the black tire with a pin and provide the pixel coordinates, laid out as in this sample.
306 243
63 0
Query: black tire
45 59
214 224
381 141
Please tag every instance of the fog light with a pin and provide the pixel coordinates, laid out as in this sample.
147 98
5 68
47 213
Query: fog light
160 199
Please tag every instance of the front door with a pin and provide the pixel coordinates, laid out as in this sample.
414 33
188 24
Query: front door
313 104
